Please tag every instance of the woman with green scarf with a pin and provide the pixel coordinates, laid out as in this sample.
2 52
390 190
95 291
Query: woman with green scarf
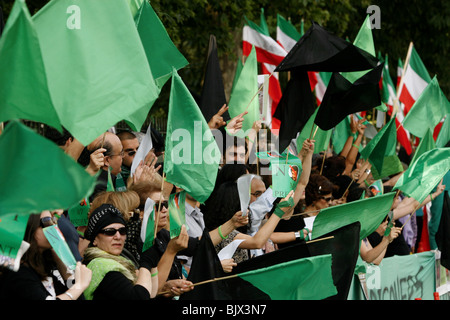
115 277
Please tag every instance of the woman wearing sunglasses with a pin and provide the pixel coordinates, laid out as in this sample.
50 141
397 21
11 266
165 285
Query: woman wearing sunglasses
318 194
42 275
115 277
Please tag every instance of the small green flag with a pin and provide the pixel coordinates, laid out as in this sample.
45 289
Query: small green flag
79 213
322 137
60 246
381 152
426 144
340 135
369 212
424 174
110 184
177 213
301 279
148 224
192 156
285 175
36 174
246 89
431 106
161 52
12 231
363 40
98 72
24 91
377 188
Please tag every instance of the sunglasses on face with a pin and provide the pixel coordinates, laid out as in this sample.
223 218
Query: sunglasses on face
163 204
47 221
112 231
327 199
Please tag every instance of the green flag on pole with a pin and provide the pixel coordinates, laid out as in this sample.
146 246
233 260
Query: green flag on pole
24 91
285 174
444 134
426 144
96 66
161 52
177 213
192 156
381 152
340 134
37 175
431 106
369 212
244 95
148 224
301 279
424 174
322 137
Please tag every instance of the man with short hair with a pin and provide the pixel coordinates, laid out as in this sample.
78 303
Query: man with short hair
130 144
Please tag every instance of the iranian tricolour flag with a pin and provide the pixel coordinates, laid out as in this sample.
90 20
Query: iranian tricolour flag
269 53
388 96
415 79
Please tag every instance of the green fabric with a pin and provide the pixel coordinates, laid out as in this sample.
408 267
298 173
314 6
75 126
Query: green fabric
98 73
177 213
426 144
36 174
161 53
283 204
430 108
302 279
12 231
444 133
243 92
381 151
103 264
436 212
322 137
192 163
369 212
24 92
340 135
416 63
148 224
363 40
424 174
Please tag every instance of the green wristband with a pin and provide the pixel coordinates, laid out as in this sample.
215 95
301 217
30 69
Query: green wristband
278 212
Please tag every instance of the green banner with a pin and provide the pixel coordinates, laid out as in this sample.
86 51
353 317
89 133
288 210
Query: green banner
398 278
177 214
12 230
59 244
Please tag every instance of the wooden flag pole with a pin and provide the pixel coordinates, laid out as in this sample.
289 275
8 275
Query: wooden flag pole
323 161
103 140
410 215
237 275
259 89
301 213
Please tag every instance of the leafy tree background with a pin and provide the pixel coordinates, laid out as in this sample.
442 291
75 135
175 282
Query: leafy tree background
189 24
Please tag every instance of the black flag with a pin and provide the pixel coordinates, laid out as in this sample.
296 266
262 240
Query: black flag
320 50
343 97
443 234
213 92
295 108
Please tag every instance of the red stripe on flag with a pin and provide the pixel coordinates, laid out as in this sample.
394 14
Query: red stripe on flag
402 137
407 99
261 54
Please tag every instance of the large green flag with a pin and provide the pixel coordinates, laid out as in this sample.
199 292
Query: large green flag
369 212
322 137
192 156
431 106
426 144
340 135
301 279
381 152
37 175
96 66
244 91
424 174
24 92
161 53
